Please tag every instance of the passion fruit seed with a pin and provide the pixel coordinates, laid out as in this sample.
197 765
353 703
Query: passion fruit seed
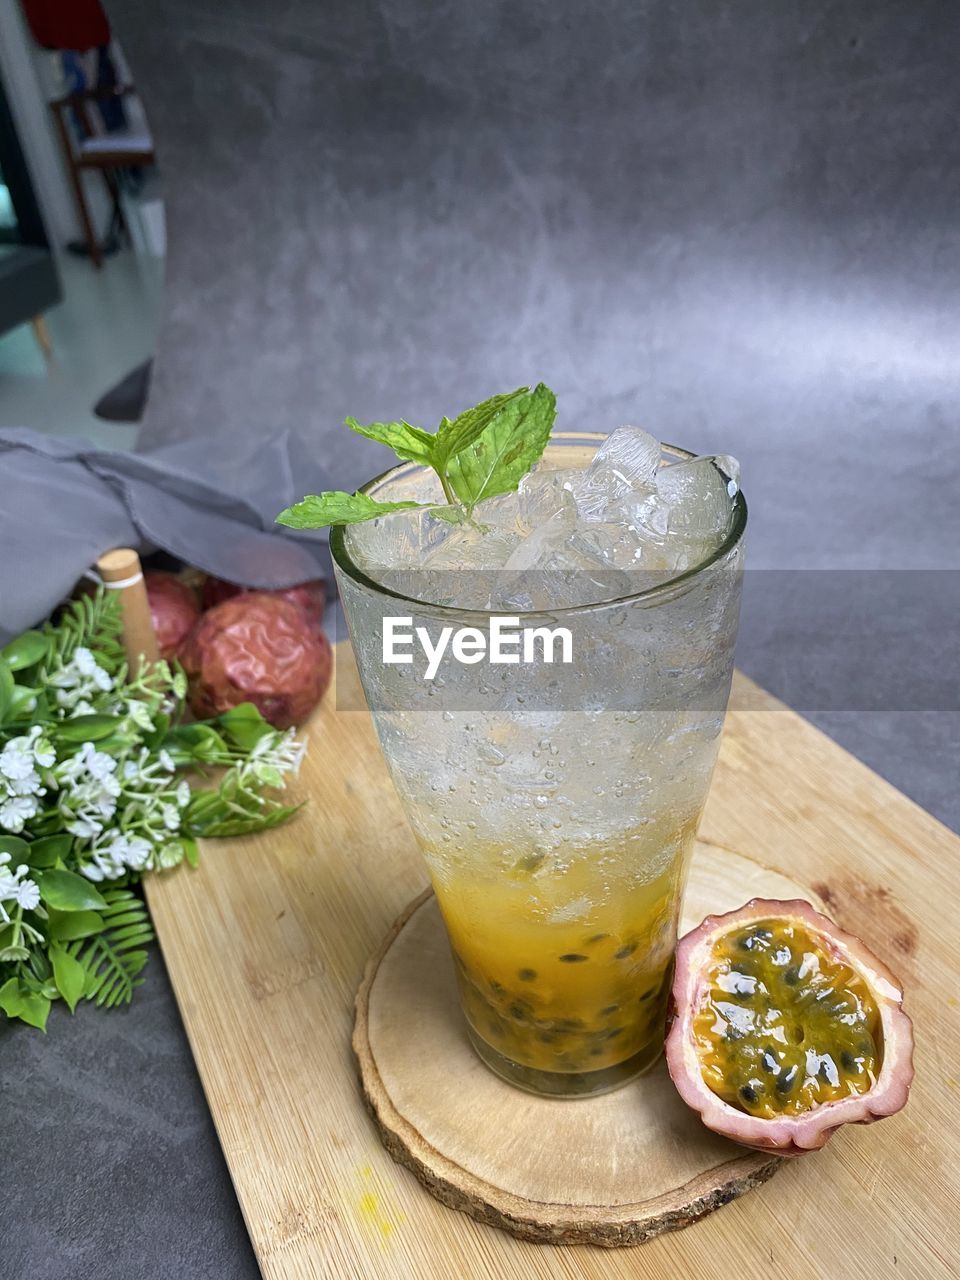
784 1024
519 1019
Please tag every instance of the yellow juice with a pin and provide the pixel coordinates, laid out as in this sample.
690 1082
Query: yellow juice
565 971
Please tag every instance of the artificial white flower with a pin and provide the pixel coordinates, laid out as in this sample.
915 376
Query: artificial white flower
28 895
31 785
107 861
284 751
8 878
139 713
16 811
16 887
71 769
89 790
43 751
86 828
98 764
169 855
87 665
171 816
110 861
22 756
79 680
166 759
138 852
16 761
183 793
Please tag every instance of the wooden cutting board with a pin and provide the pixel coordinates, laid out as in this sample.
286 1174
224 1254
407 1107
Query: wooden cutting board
266 943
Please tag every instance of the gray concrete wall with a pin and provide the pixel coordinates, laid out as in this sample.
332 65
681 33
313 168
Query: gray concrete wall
735 224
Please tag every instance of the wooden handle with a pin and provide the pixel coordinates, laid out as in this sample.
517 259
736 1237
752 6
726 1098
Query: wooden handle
121 571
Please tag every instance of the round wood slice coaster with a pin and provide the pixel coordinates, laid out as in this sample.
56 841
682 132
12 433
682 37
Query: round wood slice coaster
611 1170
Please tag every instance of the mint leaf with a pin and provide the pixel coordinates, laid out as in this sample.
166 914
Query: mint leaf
453 437
407 442
318 510
484 451
510 443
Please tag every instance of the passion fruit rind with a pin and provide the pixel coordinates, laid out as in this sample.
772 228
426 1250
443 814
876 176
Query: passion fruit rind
787 1135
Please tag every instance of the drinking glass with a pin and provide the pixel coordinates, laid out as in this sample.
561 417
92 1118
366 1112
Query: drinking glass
557 804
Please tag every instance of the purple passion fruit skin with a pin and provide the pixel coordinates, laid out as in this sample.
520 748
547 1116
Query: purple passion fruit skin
784 1027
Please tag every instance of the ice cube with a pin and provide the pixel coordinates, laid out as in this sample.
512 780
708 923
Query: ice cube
396 541
648 516
731 469
501 512
540 545
560 565
632 455
463 569
472 546
625 463
698 495
597 493
544 495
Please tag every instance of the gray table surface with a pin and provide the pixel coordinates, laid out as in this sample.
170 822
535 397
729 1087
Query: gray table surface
735 224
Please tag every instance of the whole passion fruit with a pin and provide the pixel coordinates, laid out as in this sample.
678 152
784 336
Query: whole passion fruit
784 1027
309 597
261 649
173 610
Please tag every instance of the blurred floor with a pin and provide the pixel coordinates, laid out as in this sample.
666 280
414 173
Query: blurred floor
104 328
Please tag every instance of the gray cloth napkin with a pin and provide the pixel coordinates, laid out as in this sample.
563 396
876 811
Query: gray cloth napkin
211 502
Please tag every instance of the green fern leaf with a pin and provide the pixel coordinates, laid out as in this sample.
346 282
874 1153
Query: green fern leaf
92 621
112 960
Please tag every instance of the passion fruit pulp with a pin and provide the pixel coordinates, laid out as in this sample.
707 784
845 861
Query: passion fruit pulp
784 1028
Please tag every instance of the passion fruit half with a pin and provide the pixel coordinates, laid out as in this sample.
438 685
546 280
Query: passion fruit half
784 1027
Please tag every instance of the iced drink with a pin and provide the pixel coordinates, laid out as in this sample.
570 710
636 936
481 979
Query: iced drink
557 803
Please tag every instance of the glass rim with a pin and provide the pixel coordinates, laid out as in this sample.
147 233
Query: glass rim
667 589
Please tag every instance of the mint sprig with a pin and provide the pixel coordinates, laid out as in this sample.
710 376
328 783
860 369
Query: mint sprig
502 453
320 509
482 452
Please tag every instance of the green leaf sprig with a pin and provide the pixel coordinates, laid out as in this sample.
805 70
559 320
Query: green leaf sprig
101 781
482 452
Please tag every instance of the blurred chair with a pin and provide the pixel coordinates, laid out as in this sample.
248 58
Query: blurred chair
29 280
106 152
